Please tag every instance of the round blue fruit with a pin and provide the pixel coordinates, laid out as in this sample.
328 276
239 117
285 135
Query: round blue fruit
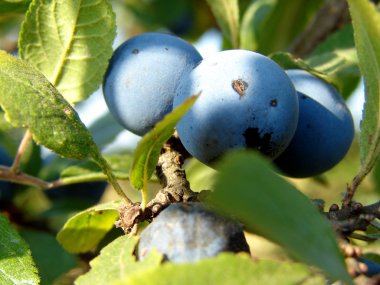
246 101
325 128
190 232
142 77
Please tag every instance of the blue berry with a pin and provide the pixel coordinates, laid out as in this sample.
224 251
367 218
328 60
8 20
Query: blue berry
325 128
142 77
190 232
246 101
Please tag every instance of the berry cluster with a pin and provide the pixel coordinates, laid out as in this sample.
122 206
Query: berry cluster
247 101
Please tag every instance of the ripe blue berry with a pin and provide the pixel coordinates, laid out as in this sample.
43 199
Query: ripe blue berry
142 76
325 128
190 232
246 101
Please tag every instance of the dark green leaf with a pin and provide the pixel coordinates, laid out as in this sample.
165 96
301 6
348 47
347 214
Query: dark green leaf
51 259
336 57
30 101
248 189
226 269
14 6
366 23
70 42
84 231
284 23
16 263
146 154
226 13
117 261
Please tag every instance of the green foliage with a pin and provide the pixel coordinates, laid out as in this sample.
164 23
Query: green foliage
70 42
336 58
252 23
52 263
272 25
226 13
366 23
84 231
90 171
65 47
30 101
147 152
269 206
16 264
116 261
15 6
225 269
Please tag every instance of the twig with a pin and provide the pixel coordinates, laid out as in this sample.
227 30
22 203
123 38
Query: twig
7 173
15 168
328 19
175 187
354 217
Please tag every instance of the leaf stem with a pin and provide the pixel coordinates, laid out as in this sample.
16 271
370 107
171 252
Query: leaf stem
15 168
111 177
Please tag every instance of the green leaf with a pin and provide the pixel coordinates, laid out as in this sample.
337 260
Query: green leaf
70 42
84 231
16 6
336 57
226 13
287 61
284 23
200 176
252 21
30 101
366 23
90 171
51 259
226 269
337 67
16 263
148 150
117 261
248 189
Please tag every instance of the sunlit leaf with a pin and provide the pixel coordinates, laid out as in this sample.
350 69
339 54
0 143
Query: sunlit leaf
84 231
147 152
226 13
226 269
30 101
70 42
252 21
366 23
117 261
